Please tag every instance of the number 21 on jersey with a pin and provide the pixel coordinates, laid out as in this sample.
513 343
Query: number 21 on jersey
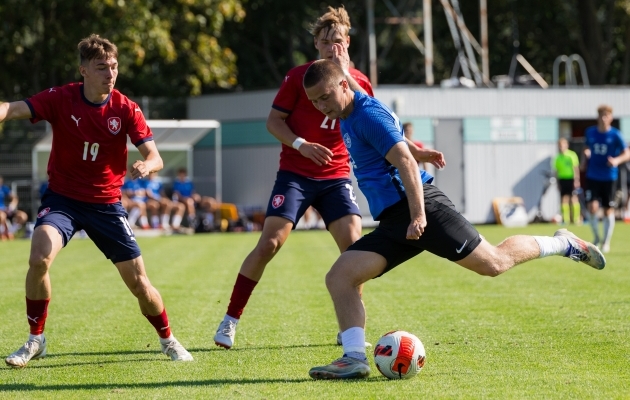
93 149
325 123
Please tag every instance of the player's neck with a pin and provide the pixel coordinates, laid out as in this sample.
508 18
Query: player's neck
93 95
349 106
603 128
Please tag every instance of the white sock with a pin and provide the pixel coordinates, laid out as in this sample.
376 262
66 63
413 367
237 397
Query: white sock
165 219
133 216
353 340
177 221
552 246
155 221
228 318
594 227
143 221
168 339
2 229
35 337
609 227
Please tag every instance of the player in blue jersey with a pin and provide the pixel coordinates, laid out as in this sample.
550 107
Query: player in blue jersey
605 150
413 215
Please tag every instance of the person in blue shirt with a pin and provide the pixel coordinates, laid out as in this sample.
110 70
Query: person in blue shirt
11 219
413 215
604 150
184 193
160 207
136 201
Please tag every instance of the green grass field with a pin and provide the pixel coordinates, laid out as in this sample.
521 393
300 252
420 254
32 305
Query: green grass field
548 329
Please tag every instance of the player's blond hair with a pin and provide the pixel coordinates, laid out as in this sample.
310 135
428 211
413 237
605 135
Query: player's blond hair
94 46
604 109
334 19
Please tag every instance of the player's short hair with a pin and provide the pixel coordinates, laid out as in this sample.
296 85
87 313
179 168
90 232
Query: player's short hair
322 70
94 46
334 19
604 108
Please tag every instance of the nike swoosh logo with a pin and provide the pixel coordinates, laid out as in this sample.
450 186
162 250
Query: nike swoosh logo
461 248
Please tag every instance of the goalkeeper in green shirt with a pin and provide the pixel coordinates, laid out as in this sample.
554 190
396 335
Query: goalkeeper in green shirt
566 166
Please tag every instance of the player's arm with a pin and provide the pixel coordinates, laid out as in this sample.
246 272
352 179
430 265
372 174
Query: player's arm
277 126
152 161
426 155
14 110
621 158
400 157
342 58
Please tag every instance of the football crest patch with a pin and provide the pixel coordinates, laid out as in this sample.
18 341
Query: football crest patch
277 201
43 212
114 124
347 140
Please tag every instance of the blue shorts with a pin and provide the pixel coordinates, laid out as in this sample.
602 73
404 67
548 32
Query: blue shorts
292 194
105 224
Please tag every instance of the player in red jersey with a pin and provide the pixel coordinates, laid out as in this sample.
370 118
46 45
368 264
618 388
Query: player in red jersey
314 169
91 122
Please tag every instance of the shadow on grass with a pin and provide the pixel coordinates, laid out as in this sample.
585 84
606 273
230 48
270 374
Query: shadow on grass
17 387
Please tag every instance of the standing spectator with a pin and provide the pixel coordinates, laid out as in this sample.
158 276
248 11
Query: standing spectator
567 169
91 123
605 150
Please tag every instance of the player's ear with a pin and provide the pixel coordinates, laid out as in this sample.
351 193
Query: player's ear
82 70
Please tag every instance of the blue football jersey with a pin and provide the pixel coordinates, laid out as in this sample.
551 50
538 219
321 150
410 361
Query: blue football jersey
369 132
603 145
154 188
184 188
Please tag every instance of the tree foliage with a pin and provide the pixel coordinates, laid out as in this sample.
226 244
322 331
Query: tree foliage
274 38
166 47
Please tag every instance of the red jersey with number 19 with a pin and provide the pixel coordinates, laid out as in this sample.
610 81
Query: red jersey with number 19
309 123
88 160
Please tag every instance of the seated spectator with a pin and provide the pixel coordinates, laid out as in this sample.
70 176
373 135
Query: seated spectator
160 207
11 219
184 192
136 202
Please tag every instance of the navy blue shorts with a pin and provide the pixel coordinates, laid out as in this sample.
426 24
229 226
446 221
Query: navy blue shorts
292 194
105 224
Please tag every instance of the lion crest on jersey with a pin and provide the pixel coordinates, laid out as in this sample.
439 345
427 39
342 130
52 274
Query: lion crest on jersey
277 201
114 124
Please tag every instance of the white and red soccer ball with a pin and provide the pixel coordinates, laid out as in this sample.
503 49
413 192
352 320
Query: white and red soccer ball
399 355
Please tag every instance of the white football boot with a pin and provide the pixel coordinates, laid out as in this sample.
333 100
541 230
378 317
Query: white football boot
581 250
32 350
175 350
225 334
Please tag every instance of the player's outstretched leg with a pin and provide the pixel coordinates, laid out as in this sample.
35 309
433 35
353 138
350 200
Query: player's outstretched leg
33 349
275 232
152 307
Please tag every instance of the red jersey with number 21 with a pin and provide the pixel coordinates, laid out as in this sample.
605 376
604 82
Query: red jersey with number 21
88 160
309 123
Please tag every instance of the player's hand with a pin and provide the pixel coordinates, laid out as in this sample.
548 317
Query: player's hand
416 228
612 162
319 154
341 56
431 156
139 170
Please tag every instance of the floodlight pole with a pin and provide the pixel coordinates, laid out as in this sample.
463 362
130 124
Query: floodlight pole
371 42
485 64
428 42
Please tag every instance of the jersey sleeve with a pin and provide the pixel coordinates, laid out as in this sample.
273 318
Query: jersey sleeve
575 159
288 94
622 143
139 132
43 104
380 128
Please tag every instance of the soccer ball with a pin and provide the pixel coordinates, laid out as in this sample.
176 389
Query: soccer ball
399 355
